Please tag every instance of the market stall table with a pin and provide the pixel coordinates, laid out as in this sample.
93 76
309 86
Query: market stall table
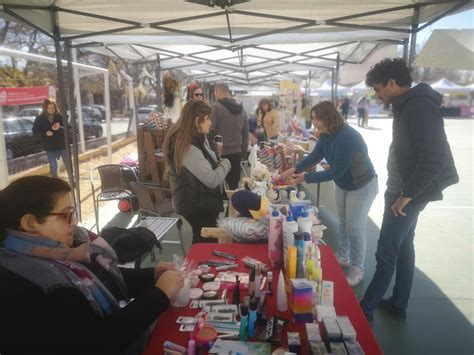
345 301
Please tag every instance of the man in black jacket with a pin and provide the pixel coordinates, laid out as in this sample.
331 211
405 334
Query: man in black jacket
420 166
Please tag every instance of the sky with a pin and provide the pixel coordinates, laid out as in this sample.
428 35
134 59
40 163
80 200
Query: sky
461 20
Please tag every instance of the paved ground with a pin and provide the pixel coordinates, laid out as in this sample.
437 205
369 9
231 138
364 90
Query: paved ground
441 307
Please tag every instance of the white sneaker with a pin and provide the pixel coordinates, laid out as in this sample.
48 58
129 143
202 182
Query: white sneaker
344 262
355 276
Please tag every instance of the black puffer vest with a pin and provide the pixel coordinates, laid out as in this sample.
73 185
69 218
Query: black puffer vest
189 195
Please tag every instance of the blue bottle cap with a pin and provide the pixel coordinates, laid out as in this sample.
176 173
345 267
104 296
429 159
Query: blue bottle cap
275 212
289 217
307 237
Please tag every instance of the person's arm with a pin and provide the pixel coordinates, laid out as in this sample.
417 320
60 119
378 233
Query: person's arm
64 318
138 280
343 153
312 159
245 137
430 147
39 128
197 164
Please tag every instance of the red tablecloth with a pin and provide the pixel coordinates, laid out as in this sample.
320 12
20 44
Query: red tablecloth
344 299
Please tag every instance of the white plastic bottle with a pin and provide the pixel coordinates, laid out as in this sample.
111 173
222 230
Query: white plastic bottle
275 246
289 227
304 222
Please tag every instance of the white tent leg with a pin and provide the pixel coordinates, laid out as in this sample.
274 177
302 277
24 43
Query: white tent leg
77 94
108 125
131 100
3 155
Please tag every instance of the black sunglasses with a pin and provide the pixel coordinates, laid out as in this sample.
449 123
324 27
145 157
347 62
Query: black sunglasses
198 94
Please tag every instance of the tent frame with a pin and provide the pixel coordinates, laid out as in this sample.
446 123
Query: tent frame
162 25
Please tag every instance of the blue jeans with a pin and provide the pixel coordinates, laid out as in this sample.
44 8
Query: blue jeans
353 208
395 251
53 156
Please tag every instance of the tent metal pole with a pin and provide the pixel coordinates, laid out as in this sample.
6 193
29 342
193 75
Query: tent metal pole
108 117
3 155
414 30
62 101
159 94
333 74
336 74
405 50
72 110
77 92
308 90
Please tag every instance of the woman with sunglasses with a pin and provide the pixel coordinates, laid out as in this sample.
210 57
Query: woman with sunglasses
62 290
195 92
196 173
349 165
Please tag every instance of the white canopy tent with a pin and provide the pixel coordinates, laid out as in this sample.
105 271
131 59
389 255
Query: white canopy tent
445 86
452 49
360 87
326 89
239 29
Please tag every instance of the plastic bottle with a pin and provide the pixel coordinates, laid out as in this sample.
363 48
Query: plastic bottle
252 317
191 347
270 283
275 239
244 316
282 301
299 244
236 293
304 222
258 280
290 226
307 243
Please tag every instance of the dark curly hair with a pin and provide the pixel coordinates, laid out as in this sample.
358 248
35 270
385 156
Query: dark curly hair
390 68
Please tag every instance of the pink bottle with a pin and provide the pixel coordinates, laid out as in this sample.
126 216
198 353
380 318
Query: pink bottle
275 247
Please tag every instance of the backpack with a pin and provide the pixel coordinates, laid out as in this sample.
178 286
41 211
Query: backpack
130 244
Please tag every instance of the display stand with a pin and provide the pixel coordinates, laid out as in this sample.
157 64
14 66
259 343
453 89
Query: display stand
150 157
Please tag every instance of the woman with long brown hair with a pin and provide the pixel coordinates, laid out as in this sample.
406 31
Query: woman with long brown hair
48 126
267 118
356 185
196 173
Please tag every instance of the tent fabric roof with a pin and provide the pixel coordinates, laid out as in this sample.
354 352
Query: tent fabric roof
144 17
445 86
242 43
452 49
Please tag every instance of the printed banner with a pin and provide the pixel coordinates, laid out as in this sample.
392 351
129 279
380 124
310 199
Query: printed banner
23 96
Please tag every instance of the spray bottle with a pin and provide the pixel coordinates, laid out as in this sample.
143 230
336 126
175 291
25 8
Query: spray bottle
275 239
290 226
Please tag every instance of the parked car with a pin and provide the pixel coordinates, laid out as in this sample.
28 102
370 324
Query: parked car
143 112
30 112
93 112
20 140
102 111
19 137
92 127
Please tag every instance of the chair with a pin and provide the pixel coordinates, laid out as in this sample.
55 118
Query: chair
115 182
156 200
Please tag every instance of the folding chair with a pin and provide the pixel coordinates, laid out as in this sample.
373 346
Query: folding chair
156 200
114 185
